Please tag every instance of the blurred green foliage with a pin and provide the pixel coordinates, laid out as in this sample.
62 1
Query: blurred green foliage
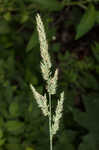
22 126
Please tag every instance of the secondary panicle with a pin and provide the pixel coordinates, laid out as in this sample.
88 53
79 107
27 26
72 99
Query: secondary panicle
58 114
41 101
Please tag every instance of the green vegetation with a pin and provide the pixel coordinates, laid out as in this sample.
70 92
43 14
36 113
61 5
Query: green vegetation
72 28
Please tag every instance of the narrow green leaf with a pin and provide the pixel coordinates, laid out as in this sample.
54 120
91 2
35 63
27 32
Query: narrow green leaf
32 42
87 22
52 5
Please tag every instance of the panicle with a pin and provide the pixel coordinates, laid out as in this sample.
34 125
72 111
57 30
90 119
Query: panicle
46 63
58 114
52 83
41 101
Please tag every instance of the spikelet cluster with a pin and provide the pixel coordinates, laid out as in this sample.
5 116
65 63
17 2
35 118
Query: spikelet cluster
51 81
41 101
58 114
46 63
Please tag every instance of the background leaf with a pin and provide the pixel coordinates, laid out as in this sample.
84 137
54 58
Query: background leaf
97 17
15 127
87 22
50 5
90 121
32 42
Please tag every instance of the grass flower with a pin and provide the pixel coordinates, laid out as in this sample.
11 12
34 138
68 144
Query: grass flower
51 86
41 101
58 114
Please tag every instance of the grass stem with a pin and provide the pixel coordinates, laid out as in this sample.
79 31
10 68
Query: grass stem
50 119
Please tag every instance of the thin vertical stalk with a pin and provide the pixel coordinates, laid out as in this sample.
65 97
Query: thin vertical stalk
50 119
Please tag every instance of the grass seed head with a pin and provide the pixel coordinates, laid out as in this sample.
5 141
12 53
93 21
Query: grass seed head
41 101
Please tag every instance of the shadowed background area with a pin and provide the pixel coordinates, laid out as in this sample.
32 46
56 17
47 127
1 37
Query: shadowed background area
72 29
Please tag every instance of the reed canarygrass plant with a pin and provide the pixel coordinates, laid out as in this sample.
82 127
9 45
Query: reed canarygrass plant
51 84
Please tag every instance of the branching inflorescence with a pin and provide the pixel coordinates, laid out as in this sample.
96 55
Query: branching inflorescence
51 82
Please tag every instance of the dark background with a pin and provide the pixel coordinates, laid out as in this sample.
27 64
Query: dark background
72 29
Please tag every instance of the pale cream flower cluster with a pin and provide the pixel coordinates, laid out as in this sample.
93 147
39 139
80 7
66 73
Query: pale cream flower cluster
58 114
41 101
46 63
51 81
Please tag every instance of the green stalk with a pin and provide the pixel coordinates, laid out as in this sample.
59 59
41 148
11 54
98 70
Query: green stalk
79 3
50 119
